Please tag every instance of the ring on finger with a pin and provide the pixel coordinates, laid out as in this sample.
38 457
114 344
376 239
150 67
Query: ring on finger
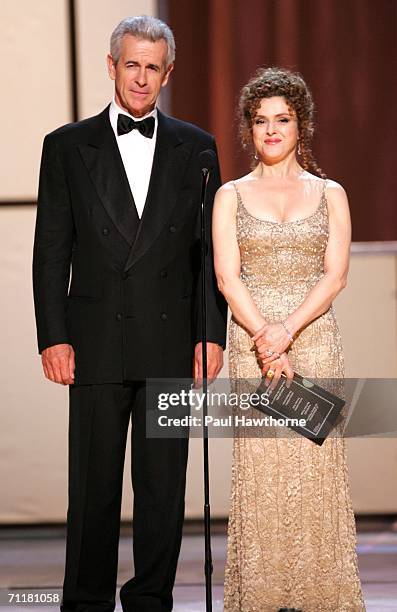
268 353
270 373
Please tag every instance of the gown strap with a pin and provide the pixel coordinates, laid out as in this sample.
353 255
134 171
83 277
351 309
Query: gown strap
323 200
238 194
324 187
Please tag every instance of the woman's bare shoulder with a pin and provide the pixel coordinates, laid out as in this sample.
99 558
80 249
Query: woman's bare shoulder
225 203
337 201
318 179
332 185
335 191
229 190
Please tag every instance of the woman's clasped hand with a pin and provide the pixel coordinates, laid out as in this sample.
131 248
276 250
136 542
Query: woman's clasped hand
271 342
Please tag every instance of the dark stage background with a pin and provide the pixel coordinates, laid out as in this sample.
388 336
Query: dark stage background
345 50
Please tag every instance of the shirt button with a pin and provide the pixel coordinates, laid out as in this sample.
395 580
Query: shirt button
105 231
163 316
119 316
163 273
172 229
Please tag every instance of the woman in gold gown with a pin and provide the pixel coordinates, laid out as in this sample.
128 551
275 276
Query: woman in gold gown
281 245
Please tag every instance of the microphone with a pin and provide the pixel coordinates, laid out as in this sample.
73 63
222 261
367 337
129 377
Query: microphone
207 160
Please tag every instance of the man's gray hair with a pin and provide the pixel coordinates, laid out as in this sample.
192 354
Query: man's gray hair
146 27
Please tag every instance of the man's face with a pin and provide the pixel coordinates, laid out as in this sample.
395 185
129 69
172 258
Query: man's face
139 74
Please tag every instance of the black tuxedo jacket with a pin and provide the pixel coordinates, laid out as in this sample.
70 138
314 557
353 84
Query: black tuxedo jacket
132 308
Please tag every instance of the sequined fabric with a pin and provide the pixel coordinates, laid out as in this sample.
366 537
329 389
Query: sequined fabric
291 534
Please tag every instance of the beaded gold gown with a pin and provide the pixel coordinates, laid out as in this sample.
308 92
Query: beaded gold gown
291 533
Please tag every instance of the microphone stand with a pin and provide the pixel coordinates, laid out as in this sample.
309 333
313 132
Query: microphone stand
208 568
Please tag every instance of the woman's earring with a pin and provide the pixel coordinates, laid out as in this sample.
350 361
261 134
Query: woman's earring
299 147
256 156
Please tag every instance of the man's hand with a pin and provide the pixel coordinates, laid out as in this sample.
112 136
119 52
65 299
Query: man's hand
214 362
58 363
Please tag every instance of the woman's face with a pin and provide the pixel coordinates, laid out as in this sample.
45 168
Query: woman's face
274 130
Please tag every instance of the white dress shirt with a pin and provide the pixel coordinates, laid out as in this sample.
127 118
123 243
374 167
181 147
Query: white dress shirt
137 153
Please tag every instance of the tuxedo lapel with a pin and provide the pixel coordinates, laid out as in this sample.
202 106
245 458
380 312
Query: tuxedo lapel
169 163
102 159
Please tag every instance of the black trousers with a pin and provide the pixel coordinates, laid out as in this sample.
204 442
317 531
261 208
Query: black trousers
98 423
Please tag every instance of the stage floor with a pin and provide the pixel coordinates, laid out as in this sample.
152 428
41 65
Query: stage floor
32 560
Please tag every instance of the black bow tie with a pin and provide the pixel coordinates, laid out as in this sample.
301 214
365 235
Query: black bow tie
126 124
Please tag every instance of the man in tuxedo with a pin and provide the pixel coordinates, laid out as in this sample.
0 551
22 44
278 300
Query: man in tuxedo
119 206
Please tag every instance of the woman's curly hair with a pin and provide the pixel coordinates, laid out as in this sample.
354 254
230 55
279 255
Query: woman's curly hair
274 81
